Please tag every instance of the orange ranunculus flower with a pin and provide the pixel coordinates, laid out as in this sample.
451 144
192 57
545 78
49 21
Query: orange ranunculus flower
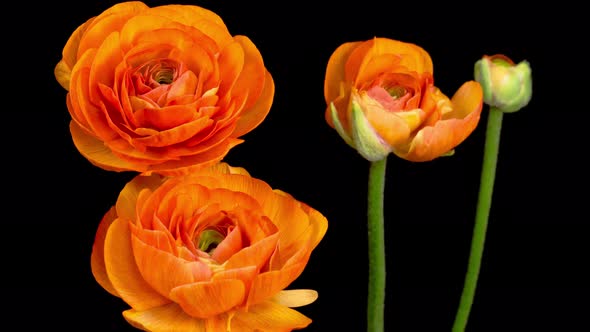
211 250
162 89
381 99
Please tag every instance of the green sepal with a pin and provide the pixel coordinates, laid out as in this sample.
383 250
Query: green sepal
366 141
338 125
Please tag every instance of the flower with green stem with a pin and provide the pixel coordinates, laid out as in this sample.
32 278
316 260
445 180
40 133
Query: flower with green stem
507 88
381 99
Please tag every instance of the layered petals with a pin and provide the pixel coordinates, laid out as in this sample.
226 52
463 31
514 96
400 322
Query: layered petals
209 250
161 90
381 99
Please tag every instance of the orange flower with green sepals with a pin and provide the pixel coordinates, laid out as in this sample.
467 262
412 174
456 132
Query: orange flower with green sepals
382 99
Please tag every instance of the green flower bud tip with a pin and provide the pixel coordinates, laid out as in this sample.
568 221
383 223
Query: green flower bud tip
506 86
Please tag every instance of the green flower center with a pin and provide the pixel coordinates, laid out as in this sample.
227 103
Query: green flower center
396 91
209 240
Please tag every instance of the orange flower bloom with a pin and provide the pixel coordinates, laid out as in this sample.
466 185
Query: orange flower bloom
162 89
381 99
211 250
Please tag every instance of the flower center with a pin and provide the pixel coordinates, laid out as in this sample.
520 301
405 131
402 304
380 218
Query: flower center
396 91
209 239
159 72
164 76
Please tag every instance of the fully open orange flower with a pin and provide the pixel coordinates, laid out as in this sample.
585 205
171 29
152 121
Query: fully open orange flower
381 99
208 251
161 89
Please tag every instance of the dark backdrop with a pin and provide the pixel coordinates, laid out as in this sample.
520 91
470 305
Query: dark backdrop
533 274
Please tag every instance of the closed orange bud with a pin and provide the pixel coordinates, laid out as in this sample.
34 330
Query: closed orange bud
381 99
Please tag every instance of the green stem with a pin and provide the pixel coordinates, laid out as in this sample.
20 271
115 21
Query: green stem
376 238
486 187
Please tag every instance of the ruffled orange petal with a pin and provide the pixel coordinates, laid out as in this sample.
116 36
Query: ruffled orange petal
229 246
256 254
268 316
102 71
357 59
318 225
433 141
268 284
173 135
189 15
112 19
163 271
96 151
468 99
287 215
127 200
390 126
293 298
252 77
207 299
170 117
166 318
252 117
335 70
70 51
123 272
200 18
191 163
97 263
413 57
378 65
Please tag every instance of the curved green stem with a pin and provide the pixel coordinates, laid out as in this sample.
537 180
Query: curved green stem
484 202
376 294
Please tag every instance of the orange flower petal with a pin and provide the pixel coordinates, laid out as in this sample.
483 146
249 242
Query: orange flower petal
107 57
207 299
166 318
96 151
228 247
127 201
231 63
168 117
252 78
97 263
112 19
252 117
433 141
413 57
245 274
70 51
357 60
256 254
391 127
468 99
123 272
190 163
378 65
335 70
268 284
174 135
200 18
163 271
295 297
268 316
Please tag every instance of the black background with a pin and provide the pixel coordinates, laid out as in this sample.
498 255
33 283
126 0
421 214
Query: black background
533 274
